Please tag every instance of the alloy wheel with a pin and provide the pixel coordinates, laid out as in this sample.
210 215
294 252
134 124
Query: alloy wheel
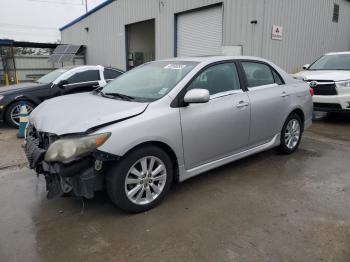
15 113
292 134
145 180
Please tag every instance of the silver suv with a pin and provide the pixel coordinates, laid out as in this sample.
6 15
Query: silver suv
162 122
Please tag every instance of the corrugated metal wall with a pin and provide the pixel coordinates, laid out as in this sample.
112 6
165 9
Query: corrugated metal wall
308 30
31 67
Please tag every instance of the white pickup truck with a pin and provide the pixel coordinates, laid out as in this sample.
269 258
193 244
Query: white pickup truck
329 76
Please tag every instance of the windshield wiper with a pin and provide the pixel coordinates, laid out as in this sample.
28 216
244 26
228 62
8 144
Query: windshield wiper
121 96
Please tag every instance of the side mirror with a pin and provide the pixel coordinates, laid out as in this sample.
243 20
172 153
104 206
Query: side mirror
62 83
305 67
197 96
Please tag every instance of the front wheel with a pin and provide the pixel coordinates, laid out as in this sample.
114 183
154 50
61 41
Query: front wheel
291 134
13 113
140 180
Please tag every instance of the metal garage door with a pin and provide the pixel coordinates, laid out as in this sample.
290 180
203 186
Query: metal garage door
200 32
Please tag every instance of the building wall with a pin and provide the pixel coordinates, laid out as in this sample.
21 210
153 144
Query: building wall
308 30
32 67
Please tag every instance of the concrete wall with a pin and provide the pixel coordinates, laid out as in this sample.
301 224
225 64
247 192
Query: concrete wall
307 25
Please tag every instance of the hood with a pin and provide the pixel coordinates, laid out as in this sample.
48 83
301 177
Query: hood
79 112
333 75
5 90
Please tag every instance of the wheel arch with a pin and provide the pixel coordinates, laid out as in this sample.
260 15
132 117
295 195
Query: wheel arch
301 114
168 149
17 99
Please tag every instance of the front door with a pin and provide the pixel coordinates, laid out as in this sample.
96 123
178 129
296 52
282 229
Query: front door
84 81
220 127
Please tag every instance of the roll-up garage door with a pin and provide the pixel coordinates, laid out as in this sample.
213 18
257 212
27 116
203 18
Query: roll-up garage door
200 32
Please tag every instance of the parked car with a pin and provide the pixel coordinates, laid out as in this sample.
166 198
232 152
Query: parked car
329 76
162 122
63 81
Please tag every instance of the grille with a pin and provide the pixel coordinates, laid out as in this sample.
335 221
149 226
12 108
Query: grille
327 106
324 88
44 139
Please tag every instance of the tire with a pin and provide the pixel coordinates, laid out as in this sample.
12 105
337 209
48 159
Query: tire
293 126
13 108
145 189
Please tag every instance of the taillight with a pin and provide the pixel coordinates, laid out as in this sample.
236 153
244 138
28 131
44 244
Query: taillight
312 92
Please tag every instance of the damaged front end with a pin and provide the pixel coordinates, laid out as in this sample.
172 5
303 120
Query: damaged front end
69 164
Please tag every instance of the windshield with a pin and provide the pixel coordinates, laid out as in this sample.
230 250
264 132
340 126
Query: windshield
52 76
332 62
150 81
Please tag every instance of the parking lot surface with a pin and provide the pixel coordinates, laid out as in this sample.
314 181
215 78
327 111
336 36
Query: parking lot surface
267 207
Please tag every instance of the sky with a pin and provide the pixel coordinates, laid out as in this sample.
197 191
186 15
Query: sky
39 20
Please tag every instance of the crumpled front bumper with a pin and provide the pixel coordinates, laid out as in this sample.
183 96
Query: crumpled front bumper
81 175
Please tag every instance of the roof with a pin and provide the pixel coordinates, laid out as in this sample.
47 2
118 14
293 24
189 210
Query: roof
339 53
213 58
100 6
10 42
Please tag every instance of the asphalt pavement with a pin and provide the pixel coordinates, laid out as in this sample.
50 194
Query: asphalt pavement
267 207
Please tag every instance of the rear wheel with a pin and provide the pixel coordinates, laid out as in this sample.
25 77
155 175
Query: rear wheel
291 134
13 113
141 179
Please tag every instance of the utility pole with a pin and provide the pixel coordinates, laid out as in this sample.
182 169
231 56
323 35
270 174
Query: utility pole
86 5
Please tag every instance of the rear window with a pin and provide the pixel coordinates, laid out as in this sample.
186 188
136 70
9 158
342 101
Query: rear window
258 74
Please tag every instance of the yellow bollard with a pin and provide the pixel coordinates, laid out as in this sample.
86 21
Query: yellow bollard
17 79
7 82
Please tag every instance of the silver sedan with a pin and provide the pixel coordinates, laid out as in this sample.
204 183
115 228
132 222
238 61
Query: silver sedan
165 121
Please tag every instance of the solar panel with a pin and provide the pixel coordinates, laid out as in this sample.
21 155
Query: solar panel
60 49
72 49
66 58
54 58
64 53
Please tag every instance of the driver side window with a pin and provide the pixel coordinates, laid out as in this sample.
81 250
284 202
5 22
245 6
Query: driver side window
85 76
217 79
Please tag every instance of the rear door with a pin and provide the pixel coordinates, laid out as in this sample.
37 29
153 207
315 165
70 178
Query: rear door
220 127
269 98
83 81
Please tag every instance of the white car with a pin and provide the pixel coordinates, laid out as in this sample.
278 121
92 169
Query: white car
329 76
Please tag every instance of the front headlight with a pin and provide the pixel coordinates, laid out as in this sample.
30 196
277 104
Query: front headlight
343 84
67 148
1 97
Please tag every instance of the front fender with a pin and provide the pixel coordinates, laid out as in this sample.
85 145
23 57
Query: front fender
158 123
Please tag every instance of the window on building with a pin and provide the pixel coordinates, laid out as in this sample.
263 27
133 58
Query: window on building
336 13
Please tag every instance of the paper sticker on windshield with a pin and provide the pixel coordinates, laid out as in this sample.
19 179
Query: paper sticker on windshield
163 91
175 66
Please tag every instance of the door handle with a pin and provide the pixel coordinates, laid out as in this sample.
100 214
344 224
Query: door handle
242 104
284 94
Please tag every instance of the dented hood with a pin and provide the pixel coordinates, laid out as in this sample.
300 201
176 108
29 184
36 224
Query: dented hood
80 112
